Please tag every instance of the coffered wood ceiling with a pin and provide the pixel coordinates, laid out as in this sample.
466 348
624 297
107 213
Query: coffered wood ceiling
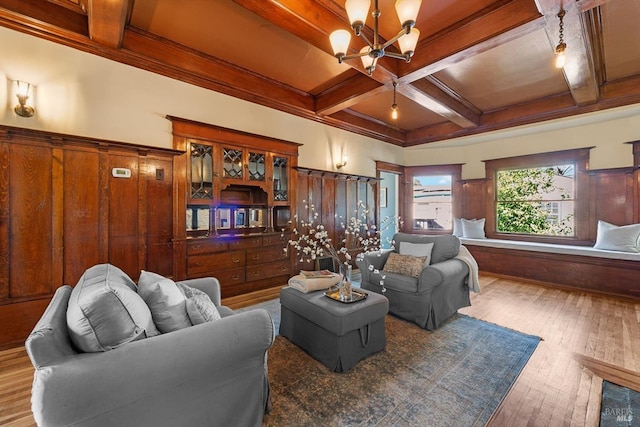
480 65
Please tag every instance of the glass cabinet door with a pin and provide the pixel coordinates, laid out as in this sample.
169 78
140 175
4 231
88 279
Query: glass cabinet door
256 166
201 171
280 179
232 163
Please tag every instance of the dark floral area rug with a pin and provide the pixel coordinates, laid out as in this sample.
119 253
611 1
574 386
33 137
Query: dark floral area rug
454 376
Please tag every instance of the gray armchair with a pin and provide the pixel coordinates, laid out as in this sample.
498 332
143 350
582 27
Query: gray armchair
439 291
212 374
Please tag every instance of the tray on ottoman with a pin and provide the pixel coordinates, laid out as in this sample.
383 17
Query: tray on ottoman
336 334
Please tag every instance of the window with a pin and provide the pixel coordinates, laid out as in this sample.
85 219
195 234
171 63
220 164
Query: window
431 198
432 208
539 197
536 200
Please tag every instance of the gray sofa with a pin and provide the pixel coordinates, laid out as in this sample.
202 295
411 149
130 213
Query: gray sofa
211 374
439 291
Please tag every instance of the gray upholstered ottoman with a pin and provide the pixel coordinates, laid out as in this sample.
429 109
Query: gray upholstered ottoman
338 335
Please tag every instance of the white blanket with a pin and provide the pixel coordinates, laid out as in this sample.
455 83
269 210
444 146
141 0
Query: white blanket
306 285
473 281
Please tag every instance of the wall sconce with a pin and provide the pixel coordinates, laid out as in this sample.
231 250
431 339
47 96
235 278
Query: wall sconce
562 46
22 109
342 163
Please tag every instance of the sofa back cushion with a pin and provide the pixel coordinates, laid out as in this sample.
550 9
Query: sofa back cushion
445 246
105 311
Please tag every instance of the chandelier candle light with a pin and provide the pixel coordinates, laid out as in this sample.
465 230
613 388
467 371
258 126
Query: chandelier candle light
357 11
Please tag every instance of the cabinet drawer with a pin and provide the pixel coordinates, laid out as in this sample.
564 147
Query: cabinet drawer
251 242
263 271
199 264
275 239
206 246
264 255
232 276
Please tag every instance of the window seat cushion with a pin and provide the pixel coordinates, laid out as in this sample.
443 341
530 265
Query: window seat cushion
551 248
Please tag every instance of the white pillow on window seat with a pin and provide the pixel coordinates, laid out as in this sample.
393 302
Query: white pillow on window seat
624 238
473 228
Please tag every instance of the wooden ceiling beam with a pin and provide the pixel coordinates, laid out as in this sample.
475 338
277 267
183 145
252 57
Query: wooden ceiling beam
617 94
432 97
579 71
347 93
107 19
313 21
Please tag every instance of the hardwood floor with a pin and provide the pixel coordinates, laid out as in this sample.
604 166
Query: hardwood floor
585 338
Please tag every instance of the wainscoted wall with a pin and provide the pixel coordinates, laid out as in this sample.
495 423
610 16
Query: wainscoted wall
335 198
62 211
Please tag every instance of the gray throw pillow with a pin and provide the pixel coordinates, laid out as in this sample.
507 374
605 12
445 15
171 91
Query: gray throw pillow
105 311
167 303
200 308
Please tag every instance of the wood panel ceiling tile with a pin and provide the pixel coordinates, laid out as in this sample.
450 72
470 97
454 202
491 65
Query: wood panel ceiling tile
621 26
515 72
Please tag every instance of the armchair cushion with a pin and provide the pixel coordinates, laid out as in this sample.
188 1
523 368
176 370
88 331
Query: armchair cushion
105 311
405 265
167 303
445 246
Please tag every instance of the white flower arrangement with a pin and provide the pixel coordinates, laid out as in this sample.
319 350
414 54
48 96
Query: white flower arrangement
311 239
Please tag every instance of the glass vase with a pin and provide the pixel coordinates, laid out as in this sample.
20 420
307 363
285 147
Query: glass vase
345 282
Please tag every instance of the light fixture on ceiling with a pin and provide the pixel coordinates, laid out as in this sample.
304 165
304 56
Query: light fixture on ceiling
562 46
357 11
22 109
394 106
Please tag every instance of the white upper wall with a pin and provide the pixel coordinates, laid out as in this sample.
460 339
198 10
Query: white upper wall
607 131
77 93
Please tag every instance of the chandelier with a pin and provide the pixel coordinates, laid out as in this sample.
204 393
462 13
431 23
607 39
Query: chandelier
357 10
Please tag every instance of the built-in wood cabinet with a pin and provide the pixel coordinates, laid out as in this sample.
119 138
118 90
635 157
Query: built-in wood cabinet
234 197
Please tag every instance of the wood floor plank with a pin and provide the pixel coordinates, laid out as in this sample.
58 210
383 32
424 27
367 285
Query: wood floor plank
585 337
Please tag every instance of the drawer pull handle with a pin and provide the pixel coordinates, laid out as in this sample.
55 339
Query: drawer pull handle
195 247
198 264
235 277
236 260
256 256
256 273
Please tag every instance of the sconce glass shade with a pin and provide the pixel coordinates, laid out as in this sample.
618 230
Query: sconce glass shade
22 92
407 11
340 40
408 42
367 60
357 10
23 88
394 111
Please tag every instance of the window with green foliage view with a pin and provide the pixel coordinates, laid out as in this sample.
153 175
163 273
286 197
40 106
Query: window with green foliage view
536 200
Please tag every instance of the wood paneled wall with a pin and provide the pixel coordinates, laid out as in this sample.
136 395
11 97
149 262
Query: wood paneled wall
335 197
62 211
